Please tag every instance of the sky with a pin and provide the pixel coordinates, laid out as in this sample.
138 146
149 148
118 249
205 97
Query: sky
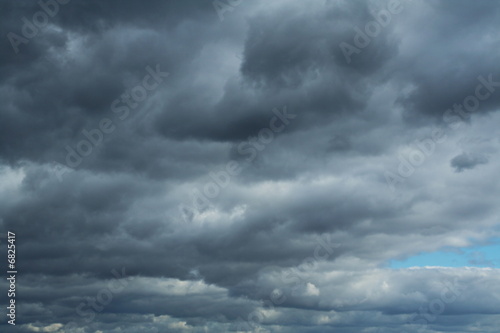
482 256
250 166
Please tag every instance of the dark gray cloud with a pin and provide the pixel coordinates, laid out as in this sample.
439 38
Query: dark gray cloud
467 161
234 171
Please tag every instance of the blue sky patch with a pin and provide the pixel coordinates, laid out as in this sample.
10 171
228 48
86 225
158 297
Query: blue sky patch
476 256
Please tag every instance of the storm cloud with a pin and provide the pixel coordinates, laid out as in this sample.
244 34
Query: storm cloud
249 166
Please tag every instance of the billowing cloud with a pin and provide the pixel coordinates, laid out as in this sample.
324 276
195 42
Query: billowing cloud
199 166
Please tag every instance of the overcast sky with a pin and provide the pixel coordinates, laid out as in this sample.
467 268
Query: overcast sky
251 166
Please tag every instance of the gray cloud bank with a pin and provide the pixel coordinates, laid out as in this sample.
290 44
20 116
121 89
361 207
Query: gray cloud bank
150 100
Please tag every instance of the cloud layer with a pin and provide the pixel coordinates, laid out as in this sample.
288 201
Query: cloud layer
199 166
